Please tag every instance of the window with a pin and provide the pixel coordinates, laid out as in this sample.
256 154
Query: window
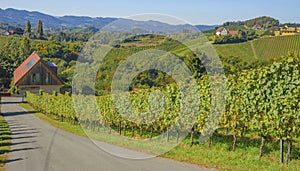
38 78
29 64
47 78
32 78
35 78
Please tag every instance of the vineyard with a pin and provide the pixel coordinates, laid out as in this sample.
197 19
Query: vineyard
265 48
261 102
276 46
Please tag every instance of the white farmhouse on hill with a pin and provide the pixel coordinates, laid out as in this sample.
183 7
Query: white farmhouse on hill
222 31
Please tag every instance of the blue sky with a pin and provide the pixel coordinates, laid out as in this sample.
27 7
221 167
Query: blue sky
192 11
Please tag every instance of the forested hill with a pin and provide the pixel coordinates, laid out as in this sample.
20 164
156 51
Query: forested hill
264 21
19 17
13 17
235 57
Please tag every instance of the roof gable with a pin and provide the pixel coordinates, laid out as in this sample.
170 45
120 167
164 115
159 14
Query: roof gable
51 72
220 29
28 65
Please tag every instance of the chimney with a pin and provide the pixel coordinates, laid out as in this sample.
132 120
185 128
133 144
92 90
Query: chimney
52 66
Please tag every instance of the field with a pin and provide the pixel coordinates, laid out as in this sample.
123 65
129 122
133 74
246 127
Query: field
217 156
263 49
252 115
261 108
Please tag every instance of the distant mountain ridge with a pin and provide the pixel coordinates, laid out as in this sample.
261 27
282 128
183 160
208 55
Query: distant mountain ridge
19 17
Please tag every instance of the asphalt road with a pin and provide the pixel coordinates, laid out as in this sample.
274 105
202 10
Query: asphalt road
38 146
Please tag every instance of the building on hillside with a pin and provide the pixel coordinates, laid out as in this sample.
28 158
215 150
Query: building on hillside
11 32
222 31
4 33
287 31
35 74
234 32
257 27
276 28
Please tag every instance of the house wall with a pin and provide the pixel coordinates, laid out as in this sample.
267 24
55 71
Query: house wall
277 33
288 33
50 88
35 89
224 32
42 72
43 80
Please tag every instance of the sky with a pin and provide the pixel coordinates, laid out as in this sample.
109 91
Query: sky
208 12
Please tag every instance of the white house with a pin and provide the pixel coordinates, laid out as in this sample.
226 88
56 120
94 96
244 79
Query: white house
256 27
222 31
4 33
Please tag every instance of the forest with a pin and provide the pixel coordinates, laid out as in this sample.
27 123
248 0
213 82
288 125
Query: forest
63 49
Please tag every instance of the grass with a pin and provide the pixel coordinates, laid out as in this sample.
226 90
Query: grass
217 156
244 158
5 141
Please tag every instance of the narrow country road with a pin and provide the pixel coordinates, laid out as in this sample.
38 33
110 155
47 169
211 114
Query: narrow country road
38 146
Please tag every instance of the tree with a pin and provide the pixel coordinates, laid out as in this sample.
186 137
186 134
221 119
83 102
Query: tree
18 30
39 30
24 49
266 22
27 28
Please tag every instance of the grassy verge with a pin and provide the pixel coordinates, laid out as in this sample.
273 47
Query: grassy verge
5 141
217 156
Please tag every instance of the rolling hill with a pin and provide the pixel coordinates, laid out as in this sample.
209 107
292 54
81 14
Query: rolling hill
263 49
18 18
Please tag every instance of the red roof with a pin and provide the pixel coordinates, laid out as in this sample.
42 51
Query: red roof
220 29
135 89
234 32
27 65
256 26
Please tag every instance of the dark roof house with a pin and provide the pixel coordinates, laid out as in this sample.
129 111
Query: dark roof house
35 74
